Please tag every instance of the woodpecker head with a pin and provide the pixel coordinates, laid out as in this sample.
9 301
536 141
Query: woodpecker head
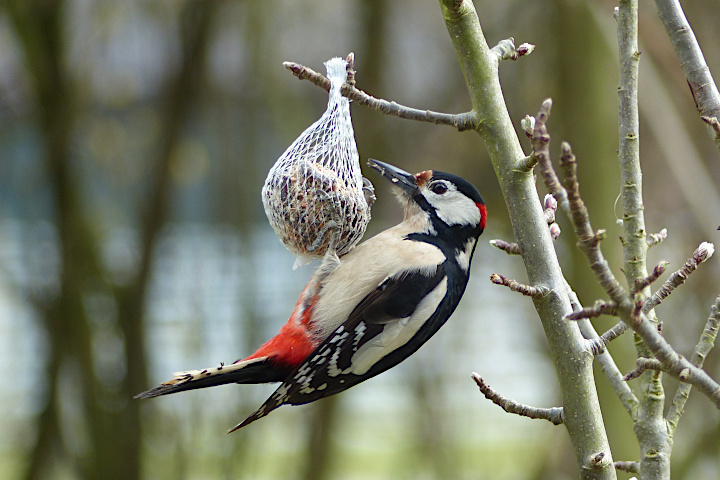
445 200
441 209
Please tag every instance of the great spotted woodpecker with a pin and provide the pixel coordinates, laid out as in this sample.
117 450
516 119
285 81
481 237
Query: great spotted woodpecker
374 308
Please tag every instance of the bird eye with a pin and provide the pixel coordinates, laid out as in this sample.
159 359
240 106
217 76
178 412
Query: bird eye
439 188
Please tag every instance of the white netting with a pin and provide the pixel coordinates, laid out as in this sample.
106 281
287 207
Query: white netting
313 195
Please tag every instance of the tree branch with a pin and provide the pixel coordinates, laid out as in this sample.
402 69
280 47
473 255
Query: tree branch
614 332
642 283
703 347
554 415
511 248
643 364
704 251
692 61
601 307
506 50
627 307
541 153
461 121
714 124
630 467
573 364
656 238
597 346
515 286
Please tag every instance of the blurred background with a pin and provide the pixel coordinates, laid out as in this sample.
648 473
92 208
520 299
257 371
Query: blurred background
134 139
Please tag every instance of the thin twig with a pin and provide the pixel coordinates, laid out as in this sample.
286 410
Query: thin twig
656 238
627 307
541 152
643 364
703 347
526 164
601 307
630 467
606 362
642 283
461 121
506 50
588 239
704 251
714 124
615 331
515 286
554 415
511 248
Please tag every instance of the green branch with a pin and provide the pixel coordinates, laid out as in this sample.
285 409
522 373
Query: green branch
573 363
692 61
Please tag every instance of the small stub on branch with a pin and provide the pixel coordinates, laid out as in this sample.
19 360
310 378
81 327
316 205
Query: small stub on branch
528 125
550 205
644 364
601 307
515 286
641 283
511 248
655 238
632 467
713 122
598 461
506 49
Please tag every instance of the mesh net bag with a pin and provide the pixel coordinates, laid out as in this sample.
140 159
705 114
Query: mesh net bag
315 196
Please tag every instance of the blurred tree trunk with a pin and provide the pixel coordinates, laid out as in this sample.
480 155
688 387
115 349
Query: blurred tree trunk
109 448
38 26
182 89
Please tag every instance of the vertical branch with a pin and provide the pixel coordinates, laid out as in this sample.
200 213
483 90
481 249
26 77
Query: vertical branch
573 363
692 61
634 241
649 428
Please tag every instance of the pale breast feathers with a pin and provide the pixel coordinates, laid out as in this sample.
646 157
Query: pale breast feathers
361 271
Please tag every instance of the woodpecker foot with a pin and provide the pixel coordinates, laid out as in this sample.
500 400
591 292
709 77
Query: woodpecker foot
330 228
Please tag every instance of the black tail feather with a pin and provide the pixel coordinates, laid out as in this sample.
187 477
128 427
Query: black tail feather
256 370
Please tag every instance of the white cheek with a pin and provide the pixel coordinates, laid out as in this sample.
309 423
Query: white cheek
457 209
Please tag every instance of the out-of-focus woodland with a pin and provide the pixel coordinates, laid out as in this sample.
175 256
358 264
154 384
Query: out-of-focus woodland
134 140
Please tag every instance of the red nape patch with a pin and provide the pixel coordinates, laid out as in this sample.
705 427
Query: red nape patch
483 214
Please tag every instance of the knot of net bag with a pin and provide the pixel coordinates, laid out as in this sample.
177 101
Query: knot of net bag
313 195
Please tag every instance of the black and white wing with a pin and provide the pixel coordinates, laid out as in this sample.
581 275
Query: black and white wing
387 326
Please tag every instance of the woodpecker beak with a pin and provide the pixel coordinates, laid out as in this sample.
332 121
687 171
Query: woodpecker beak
402 179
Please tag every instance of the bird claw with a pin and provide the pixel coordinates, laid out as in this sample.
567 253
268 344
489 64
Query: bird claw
332 227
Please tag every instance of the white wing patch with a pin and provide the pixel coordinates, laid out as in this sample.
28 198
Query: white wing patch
396 334
463 256
367 266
